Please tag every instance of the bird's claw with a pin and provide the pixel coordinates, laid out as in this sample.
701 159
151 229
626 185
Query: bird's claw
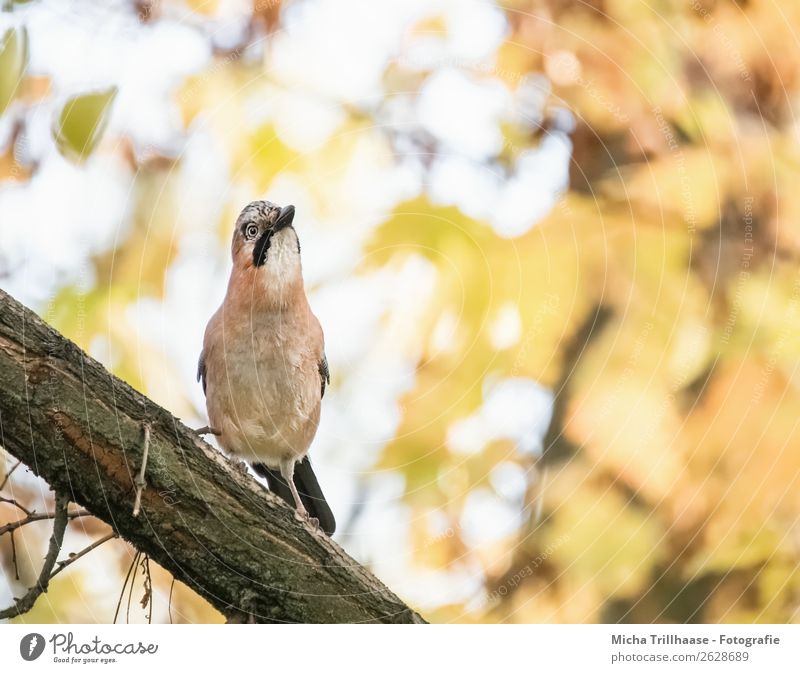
207 430
304 517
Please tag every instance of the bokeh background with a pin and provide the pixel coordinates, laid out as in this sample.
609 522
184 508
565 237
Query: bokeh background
553 246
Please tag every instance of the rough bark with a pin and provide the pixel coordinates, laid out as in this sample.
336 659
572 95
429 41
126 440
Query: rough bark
216 529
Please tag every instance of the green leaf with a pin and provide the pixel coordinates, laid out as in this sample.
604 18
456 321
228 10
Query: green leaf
82 123
13 61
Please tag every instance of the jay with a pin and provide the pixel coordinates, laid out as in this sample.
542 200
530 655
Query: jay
263 366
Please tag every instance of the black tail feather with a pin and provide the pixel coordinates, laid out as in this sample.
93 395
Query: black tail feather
307 486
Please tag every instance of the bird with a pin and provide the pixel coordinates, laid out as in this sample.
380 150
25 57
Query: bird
263 366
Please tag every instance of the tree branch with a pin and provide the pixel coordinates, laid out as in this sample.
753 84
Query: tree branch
39 516
25 603
12 501
215 529
9 473
74 557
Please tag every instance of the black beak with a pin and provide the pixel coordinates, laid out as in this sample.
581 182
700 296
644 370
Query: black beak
285 218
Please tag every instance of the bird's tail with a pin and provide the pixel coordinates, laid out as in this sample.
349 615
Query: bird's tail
307 486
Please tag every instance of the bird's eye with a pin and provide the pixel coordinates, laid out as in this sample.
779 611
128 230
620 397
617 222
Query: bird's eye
251 231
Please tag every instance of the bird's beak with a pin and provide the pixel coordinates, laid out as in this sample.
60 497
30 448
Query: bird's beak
284 218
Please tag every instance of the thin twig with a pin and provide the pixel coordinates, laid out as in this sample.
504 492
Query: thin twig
74 557
125 584
9 473
140 482
14 556
59 526
39 516
12 501
169 603
130 589
147 598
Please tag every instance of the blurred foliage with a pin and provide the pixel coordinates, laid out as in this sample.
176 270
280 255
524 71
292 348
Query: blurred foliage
13 59
667 489
82 122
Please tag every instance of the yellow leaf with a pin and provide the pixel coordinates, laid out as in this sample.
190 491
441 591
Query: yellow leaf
82 122
13 60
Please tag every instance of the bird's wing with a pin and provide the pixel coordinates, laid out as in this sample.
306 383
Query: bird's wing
201 370
207 352
324 374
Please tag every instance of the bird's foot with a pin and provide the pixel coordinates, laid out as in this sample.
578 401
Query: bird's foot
207 430
303 517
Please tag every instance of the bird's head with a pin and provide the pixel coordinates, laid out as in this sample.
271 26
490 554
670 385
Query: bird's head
265 238
266 254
